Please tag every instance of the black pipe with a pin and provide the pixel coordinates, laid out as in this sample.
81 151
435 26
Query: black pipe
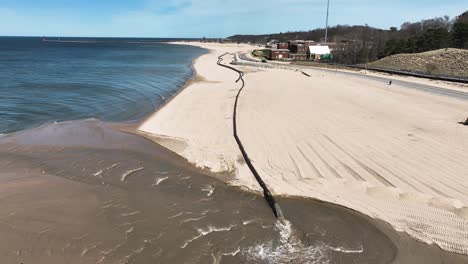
266 193
306 74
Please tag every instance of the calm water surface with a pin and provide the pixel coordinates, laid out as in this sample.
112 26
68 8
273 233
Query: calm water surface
107 79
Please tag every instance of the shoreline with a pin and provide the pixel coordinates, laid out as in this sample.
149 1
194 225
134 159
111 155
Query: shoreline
192 79
116 215
130 126
110 203
241 179
398 238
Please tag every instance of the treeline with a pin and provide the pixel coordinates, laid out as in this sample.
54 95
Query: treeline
361 44
432 34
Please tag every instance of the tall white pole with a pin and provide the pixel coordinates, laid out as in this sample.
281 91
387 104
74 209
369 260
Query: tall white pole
326 24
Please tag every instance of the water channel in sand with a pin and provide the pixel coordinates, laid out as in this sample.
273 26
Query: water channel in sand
82 192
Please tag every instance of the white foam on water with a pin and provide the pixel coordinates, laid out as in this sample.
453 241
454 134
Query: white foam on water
206 231
192 219
112 166
86 250
128 173
203 200
349 251
288 249
101 260
247 222
139 250
159 180
212 211
176 215
219 256
233 253
107 206
98 173
208 189
130 230
131 214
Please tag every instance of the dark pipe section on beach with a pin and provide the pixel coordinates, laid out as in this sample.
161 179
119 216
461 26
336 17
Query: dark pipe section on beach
266 192
306 74
465 123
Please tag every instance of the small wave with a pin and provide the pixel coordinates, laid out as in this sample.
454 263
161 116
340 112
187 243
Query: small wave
233 253
247 222
202 200
139 250
344 250
218 256
212 211
128 173
107 206
130 230
98 173
112 166
192 219
208 189
80 237
206 231
159 180
131 214
108 252
86 250
176 215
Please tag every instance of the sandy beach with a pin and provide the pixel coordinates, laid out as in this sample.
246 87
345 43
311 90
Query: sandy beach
82 192
391 153
89 191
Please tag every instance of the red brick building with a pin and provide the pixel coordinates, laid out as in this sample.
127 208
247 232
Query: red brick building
298 56
282 46
308 43
279 54
297 48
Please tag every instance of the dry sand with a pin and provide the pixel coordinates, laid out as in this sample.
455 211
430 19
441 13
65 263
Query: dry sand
391 153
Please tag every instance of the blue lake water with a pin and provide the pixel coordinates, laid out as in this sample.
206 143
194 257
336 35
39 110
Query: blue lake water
107 79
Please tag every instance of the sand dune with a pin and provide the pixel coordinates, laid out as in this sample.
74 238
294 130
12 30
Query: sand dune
392 153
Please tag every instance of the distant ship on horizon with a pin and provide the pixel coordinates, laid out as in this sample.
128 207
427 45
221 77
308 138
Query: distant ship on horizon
44 39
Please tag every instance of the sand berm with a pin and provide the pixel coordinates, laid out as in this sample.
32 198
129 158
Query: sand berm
389 152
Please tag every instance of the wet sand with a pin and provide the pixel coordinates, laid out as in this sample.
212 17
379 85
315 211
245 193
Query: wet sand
81 192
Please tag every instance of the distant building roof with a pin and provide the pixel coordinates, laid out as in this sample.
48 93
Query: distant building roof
319 50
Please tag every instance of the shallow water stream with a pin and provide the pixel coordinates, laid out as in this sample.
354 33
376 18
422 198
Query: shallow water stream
80 192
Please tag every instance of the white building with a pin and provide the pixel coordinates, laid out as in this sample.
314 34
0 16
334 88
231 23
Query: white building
314 52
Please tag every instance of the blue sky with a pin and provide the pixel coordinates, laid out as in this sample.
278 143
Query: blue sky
210 18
